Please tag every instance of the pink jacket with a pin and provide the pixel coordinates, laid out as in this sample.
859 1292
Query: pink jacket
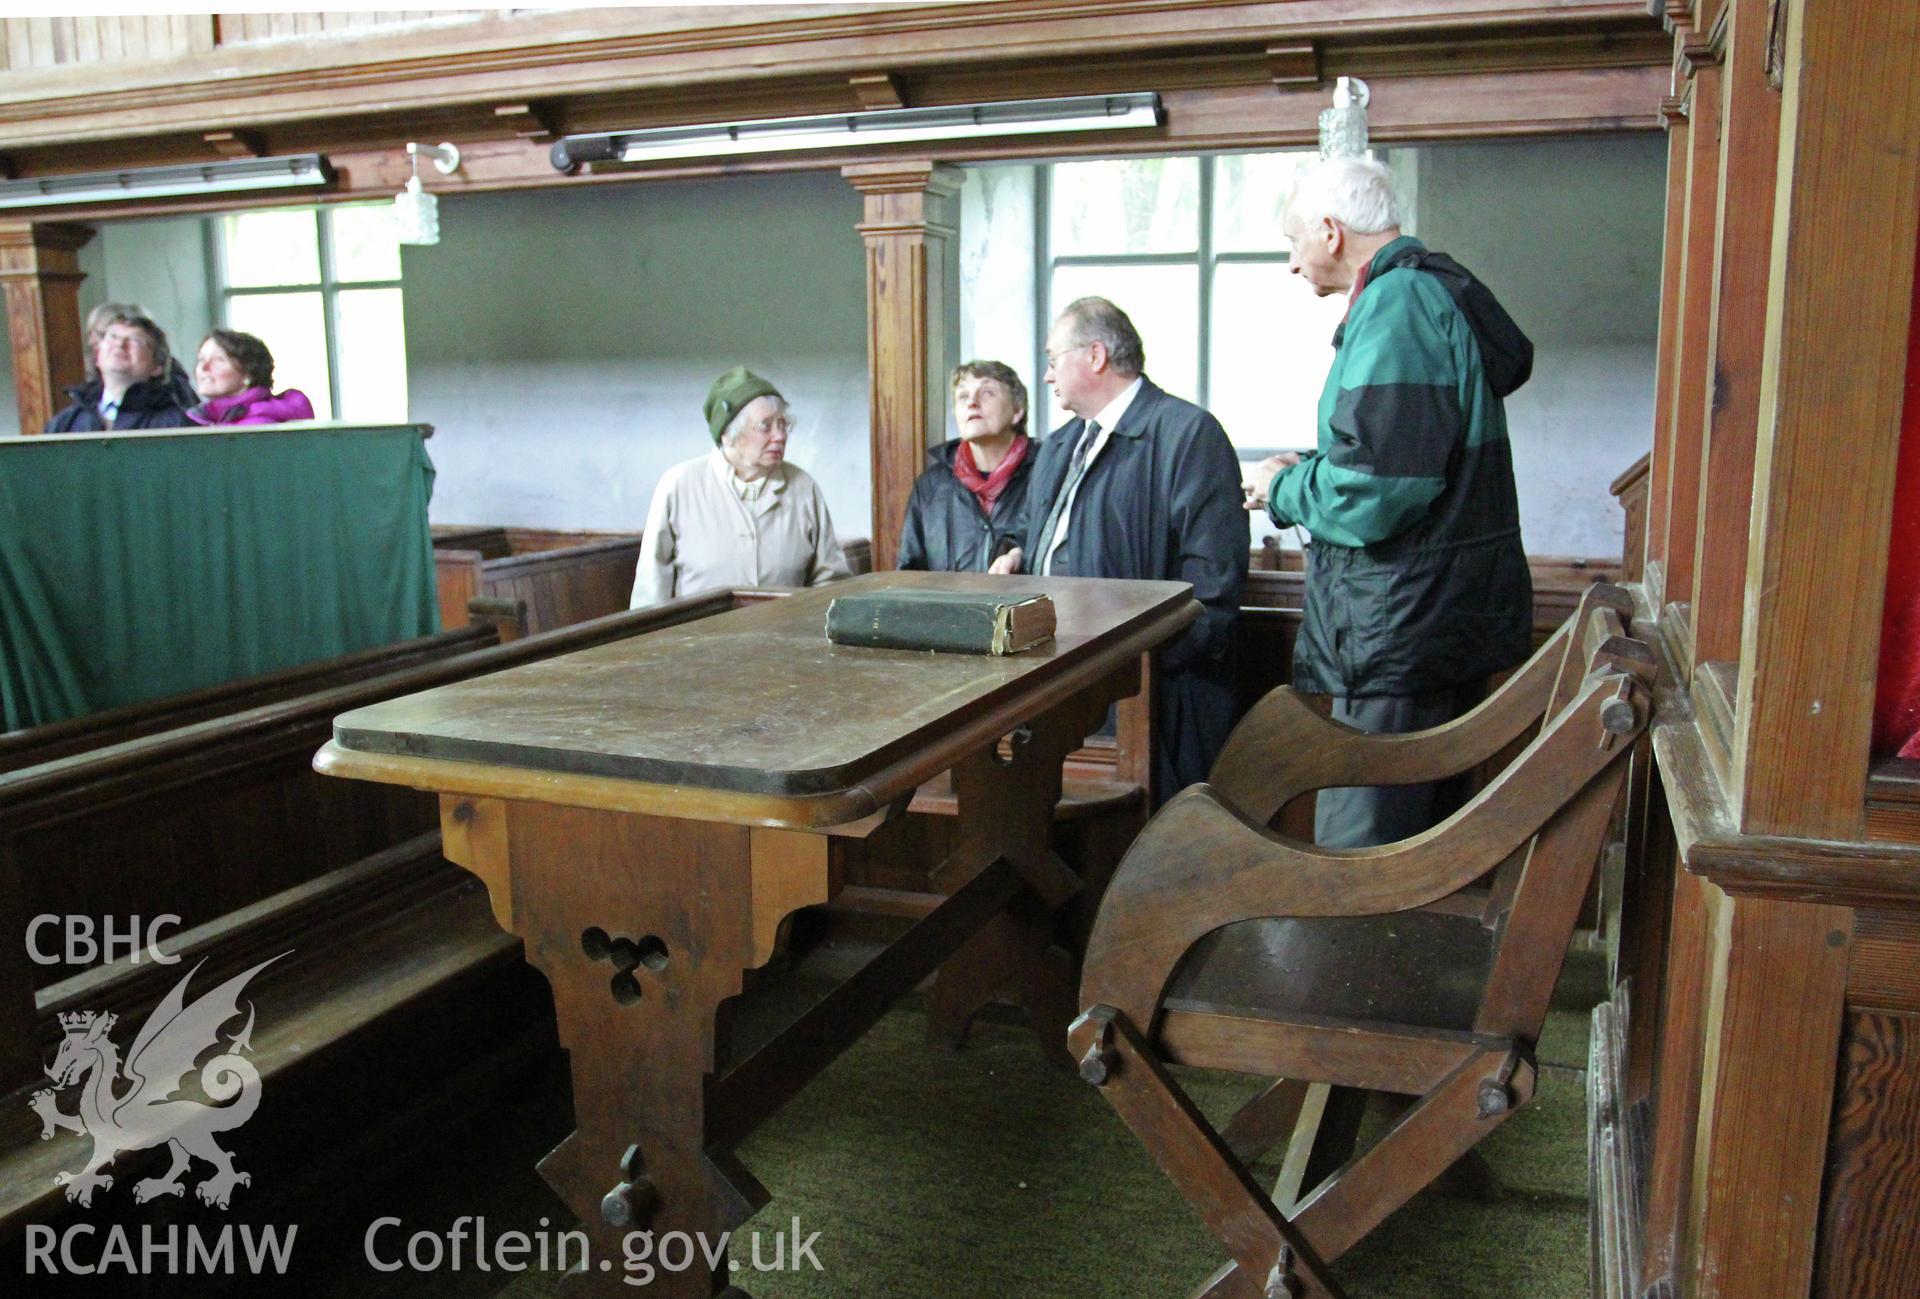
253 406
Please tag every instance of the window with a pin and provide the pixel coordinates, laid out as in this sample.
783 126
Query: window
1191 250
321 287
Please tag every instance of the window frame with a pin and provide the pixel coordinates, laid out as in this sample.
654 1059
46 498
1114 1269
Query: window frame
1204 258
329 287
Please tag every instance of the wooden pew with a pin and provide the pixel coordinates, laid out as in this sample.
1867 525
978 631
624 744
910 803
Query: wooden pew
530 581
111 726
224 823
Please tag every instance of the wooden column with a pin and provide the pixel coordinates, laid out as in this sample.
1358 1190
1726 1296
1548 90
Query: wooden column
1692 380
1673 113
41 271
911 214
1749 150
1838 309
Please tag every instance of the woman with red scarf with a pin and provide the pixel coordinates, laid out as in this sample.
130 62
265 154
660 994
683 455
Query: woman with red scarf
970 506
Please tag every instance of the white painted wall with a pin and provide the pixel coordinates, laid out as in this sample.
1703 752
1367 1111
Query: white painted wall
1567 233
562 343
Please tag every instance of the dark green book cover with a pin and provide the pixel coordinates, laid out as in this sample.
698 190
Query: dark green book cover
959 622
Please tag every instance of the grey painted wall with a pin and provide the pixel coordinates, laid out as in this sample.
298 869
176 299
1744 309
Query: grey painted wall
1568 234
562 343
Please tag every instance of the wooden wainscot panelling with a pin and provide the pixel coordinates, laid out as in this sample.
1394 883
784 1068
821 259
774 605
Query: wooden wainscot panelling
911 213
1868 1245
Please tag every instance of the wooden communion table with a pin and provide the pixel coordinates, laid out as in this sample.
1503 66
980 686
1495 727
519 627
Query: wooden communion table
646 814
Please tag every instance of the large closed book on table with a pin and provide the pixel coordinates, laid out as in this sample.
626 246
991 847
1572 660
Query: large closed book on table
962 622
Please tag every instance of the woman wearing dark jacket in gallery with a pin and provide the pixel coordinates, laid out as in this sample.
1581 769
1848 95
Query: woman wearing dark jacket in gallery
970 505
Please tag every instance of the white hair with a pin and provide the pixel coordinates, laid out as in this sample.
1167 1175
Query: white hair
1356 192
738 424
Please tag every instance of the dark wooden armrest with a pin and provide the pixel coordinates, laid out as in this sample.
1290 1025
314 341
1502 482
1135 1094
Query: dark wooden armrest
1202 862
1282 748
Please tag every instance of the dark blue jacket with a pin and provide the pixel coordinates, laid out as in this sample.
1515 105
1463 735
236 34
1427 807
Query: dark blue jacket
1162 502
151 403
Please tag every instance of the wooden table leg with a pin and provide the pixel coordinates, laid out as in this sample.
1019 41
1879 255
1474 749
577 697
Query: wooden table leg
643 925
1006 810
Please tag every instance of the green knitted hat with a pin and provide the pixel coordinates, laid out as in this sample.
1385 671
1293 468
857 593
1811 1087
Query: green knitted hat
729 393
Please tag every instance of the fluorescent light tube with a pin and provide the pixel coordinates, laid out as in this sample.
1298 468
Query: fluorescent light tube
231 176
858 130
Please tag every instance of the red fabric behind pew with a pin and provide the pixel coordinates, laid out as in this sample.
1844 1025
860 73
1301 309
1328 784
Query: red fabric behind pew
1896 713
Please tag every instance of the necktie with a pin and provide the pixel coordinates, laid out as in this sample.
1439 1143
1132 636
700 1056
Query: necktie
1076 470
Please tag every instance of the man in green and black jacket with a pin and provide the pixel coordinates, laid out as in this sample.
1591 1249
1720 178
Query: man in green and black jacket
1417 583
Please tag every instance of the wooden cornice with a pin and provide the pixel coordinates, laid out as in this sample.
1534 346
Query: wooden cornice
504 58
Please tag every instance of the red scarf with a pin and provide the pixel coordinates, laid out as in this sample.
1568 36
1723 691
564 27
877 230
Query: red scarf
988 487
1360 278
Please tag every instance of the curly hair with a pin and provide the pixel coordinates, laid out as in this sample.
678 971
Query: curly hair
1001 373
247 352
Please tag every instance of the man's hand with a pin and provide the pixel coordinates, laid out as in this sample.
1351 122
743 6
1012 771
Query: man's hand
1007 563
1259 484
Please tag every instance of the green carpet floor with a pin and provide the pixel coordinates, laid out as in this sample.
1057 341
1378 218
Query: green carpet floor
929 1173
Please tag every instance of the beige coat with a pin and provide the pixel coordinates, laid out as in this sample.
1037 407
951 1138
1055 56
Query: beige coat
701 536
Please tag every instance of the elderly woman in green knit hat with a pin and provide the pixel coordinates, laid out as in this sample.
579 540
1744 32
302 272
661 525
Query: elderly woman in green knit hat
739 515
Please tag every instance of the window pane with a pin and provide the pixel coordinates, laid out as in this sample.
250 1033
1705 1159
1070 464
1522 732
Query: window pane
1272 347
291 326
269 248
1249 193
371 336
1164 304
1128 205
364 243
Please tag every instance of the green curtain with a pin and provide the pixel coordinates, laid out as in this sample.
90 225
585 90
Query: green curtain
134 567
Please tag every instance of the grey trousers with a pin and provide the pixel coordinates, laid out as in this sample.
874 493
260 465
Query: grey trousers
1363 816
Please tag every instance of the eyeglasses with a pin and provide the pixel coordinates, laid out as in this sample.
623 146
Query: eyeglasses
766 428
1053 358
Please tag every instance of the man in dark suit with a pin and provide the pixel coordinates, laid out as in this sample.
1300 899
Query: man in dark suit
1143 485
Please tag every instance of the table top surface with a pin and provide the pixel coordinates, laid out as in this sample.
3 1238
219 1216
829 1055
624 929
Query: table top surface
758 701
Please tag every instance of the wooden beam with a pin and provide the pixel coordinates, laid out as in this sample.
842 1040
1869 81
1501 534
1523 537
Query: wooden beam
910 216
877 90
40 272
527 121
235 144
1294 65
1750 147
1832 389
492 59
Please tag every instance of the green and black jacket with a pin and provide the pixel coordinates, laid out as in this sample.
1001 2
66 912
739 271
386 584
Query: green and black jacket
1416 578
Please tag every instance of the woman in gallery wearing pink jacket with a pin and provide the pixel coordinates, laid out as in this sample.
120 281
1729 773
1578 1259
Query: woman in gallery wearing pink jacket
234 376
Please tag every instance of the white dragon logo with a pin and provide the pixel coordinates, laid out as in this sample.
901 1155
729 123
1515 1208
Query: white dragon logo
143 1116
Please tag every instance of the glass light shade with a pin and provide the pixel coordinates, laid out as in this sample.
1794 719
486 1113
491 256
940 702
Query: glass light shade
1343 127
416 215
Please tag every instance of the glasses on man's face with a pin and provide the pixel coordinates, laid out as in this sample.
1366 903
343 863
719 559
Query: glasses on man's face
768 427
1054 358
133 342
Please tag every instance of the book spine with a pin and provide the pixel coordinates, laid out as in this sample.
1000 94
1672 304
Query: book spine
951 628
